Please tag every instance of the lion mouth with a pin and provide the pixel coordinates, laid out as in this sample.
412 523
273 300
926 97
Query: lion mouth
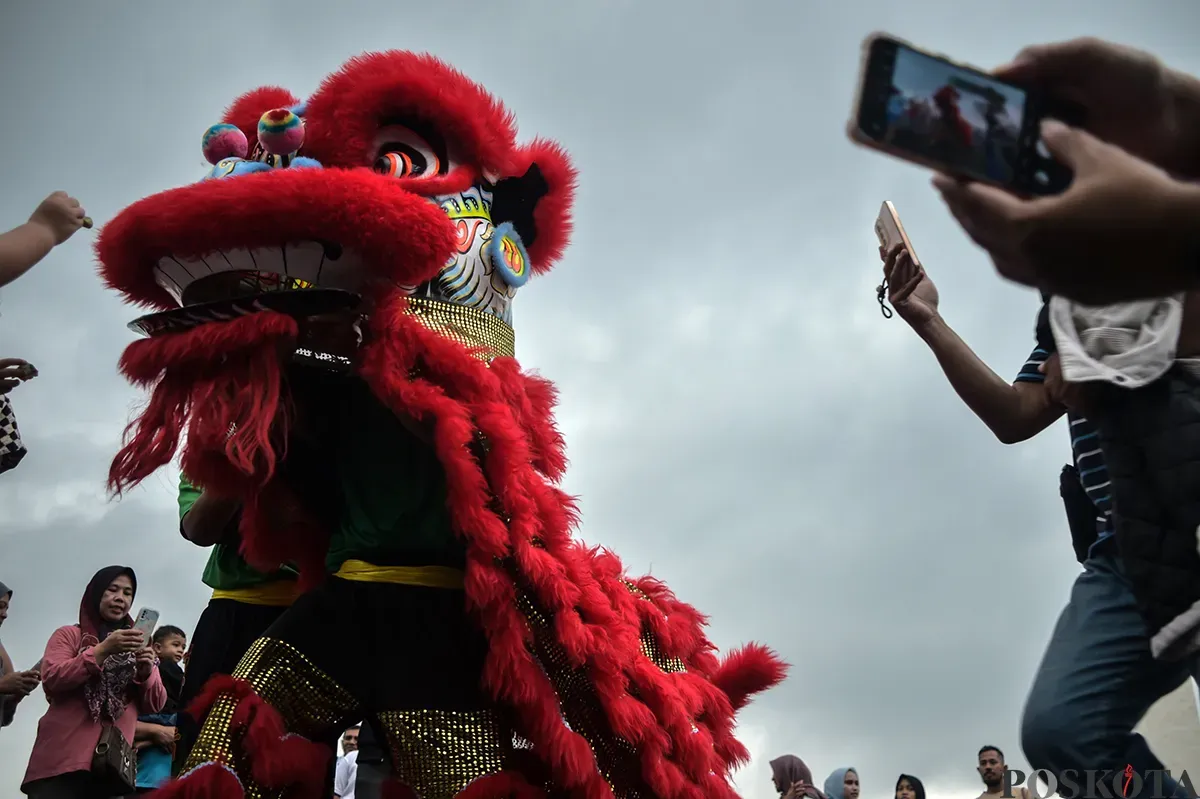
242 273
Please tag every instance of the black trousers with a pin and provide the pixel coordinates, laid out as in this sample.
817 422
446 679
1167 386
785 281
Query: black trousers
72 785
225 631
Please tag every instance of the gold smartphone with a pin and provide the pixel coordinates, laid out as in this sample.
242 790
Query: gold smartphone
890 231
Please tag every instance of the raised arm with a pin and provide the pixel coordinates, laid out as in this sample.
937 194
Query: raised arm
152 695
54 221
1013 412
204 518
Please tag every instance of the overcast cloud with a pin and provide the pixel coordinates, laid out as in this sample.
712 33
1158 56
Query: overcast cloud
741 420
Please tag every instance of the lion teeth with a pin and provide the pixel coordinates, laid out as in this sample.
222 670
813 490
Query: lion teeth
307 261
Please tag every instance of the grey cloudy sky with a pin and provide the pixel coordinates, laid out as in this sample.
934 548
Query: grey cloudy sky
741 419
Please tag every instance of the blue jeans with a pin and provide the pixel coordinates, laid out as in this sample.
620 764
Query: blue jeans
1097 679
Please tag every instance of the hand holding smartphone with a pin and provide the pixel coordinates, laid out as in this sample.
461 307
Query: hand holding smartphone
932 111
147 620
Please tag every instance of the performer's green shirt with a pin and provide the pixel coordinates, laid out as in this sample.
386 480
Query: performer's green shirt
226 569
394 509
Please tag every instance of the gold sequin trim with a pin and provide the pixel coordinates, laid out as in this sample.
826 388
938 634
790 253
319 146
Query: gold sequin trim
651 648
310 701
476 330
437 753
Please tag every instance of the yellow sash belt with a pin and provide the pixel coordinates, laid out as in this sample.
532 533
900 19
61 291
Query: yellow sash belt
279 594
423 576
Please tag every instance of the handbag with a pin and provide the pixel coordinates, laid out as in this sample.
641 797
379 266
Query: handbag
114 764
11 448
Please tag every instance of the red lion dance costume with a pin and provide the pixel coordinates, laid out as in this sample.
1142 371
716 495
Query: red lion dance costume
412 474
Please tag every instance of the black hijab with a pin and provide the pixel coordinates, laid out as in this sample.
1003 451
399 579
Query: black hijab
90 621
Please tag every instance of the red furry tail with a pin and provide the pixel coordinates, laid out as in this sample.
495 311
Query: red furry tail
748 671
221 381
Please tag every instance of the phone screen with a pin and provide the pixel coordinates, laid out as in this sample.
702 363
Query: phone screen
958 119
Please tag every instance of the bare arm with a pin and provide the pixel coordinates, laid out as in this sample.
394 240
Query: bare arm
21 248
208 519
1014 412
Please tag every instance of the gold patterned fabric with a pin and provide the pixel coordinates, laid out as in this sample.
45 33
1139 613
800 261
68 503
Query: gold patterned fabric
437 753
310 702
476 330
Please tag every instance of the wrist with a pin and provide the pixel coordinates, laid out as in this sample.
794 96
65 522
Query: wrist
929 326
42 234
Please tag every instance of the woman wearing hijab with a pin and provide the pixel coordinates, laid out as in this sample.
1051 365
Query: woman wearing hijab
842 784
793 779
909 787
97 673
14 685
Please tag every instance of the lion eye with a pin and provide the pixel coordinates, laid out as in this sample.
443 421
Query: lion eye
401 153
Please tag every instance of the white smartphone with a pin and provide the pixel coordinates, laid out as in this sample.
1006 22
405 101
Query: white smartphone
890 231
37 667
147 620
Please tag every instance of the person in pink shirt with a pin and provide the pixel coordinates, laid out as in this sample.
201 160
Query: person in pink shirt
95 673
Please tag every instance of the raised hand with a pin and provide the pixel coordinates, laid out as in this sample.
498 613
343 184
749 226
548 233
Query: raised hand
910 291
61 215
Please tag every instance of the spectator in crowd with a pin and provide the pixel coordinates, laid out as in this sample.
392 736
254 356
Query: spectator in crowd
1129 226
842 784
98 674
793 779
992 769
1094 659
346 772
155 735
14 685
909 787
52 223
350 740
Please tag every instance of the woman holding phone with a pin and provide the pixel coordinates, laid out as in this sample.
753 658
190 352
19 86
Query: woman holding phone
98 675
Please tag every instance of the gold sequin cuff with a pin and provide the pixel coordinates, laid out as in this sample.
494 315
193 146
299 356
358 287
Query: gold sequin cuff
310 702
437 753
475 330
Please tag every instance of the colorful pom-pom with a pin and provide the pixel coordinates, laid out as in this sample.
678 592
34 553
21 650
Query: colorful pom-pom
280 132
224 141
300 162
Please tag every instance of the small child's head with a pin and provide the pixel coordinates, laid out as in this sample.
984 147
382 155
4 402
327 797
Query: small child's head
169 643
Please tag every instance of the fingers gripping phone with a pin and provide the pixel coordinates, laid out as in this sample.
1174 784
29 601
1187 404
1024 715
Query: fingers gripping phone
147 620
932 111
890 232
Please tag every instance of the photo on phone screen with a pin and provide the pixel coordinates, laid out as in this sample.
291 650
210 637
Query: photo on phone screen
956 119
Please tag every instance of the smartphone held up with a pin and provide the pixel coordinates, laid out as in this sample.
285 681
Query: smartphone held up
931 111
147 620
890 232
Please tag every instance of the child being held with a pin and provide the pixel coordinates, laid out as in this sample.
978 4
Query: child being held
155 736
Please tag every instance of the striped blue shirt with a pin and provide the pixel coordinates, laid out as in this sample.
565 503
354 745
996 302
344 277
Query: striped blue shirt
1085 449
